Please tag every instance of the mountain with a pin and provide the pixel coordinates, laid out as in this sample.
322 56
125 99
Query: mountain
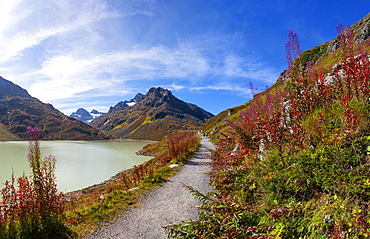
18 110
82 114
85 116
127 103
9 89
152 116
95 113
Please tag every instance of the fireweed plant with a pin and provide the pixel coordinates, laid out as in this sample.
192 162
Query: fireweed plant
32 207
296 164
179 148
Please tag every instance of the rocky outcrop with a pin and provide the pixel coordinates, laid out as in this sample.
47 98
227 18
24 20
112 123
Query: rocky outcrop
127 103
360 31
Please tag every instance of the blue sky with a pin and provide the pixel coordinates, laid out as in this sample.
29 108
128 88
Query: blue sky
95 53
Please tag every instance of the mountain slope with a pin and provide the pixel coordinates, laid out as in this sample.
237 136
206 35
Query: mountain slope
9 89
18 110
152 117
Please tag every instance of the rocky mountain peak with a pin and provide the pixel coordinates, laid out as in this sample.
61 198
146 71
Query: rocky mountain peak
138 97
127 103
85 116
82 114
152 117
158 96
158 93
82 111
95 112
19 110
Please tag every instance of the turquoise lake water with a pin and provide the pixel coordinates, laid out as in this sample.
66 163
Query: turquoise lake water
79 163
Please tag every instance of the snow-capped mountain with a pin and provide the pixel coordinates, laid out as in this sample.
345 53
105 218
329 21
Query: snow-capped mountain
95 113
85 116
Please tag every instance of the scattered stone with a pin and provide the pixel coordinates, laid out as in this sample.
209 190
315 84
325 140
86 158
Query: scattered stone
174 165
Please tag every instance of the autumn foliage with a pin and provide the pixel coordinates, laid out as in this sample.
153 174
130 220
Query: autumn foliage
180 146
32 207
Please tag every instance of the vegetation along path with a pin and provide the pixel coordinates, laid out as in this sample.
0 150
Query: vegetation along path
171 203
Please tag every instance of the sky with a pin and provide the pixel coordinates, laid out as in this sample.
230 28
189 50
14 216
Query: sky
95 53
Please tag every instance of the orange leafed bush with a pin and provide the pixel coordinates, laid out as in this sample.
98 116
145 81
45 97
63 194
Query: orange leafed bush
33 208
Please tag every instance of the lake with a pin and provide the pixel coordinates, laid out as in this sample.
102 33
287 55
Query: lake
79 163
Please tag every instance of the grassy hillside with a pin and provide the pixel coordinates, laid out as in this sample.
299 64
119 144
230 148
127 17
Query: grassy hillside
5 135
324 57
294 162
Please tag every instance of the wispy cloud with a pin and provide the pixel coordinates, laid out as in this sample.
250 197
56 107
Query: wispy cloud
238 89
25 24
67 52
64 76
249 68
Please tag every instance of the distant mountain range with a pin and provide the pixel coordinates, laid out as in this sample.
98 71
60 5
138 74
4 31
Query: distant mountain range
151 116
18 110
85 116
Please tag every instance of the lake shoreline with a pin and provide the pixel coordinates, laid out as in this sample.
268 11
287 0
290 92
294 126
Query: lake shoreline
79 164
77 194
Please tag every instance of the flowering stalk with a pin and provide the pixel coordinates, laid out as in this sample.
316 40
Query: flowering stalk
292 47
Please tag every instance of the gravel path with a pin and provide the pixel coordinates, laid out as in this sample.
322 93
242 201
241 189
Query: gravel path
170 203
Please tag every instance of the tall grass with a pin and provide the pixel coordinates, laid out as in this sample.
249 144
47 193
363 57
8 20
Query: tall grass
179 148
180 145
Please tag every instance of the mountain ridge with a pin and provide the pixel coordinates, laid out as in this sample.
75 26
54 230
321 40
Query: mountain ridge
9 89
152 117
19 110
127 103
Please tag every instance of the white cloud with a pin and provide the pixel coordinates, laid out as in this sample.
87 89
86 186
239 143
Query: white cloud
65 52
25 24
74 75
239 89
175 86
64 76
250 68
